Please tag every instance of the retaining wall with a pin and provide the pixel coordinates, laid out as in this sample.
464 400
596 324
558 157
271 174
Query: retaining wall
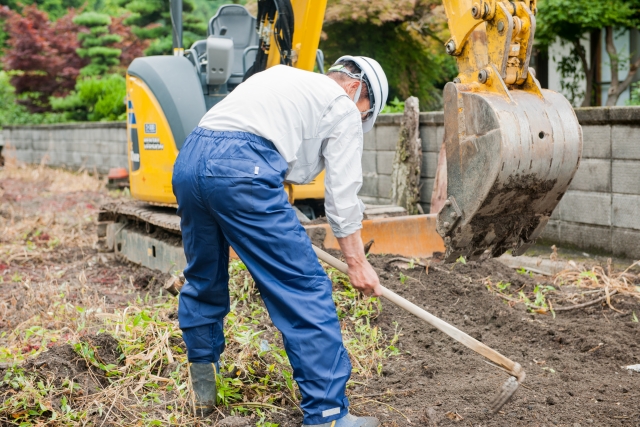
379 150
600 211
99 146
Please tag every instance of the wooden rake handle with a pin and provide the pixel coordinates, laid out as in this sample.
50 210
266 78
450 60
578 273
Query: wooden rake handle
510 366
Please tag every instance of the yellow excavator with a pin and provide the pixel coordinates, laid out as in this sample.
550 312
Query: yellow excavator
511 148
168 95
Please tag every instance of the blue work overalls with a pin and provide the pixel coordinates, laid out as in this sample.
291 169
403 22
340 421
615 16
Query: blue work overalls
229 187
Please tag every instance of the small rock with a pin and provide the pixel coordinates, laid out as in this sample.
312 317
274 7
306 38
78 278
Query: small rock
530 407
589 421
431 417
576 425
428 371
550 400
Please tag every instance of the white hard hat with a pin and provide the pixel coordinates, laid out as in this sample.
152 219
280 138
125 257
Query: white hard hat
378 85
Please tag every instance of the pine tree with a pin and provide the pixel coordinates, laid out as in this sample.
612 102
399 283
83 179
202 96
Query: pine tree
151 20
96 43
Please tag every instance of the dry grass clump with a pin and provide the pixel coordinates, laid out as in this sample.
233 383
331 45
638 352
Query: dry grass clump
59 180
599 284
575 288
598 278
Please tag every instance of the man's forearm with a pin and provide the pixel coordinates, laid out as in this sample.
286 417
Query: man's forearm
352 249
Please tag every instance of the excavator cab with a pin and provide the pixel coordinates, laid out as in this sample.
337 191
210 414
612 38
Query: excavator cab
512 148
168 95
223 58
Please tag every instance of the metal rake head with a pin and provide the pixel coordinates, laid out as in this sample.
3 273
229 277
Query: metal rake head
507 391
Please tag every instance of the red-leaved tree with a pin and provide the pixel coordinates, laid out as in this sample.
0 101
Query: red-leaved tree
131 45
42 54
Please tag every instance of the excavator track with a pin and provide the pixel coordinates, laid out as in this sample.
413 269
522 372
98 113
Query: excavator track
149 235
160 216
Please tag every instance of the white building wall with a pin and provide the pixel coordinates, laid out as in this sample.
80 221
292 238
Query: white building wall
557 51
623 41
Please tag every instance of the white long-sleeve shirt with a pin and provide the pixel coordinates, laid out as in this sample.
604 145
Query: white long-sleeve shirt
313 124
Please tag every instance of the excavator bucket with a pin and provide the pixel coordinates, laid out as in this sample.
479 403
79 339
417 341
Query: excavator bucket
509 161
512 148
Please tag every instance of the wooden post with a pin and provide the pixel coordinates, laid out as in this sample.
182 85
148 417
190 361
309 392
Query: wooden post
405 178
439 195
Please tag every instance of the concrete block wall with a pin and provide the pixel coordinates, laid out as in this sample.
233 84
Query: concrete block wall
379 151
601 209
100 146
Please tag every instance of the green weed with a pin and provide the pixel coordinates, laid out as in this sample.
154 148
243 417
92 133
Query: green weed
403 278
534 301
524 272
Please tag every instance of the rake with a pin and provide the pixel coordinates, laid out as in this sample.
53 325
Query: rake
515 371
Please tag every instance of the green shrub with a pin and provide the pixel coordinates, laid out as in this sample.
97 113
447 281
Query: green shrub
394 106
634 98
409 60
95 99
13 113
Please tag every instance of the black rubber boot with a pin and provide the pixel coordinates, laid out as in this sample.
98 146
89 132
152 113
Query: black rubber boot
203 381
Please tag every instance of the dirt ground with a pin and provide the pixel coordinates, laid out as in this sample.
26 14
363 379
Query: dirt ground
574 360
48 233
50 271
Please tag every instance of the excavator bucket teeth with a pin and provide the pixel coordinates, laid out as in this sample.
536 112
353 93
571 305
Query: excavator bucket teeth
510 159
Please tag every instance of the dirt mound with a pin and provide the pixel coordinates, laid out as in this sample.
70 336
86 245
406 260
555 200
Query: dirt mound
573 361
62 363
107 348
58 363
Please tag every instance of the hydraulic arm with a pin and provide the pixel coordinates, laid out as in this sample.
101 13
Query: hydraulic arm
512 148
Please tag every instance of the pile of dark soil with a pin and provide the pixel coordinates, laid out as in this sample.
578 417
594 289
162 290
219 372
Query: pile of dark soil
574 362
61 364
